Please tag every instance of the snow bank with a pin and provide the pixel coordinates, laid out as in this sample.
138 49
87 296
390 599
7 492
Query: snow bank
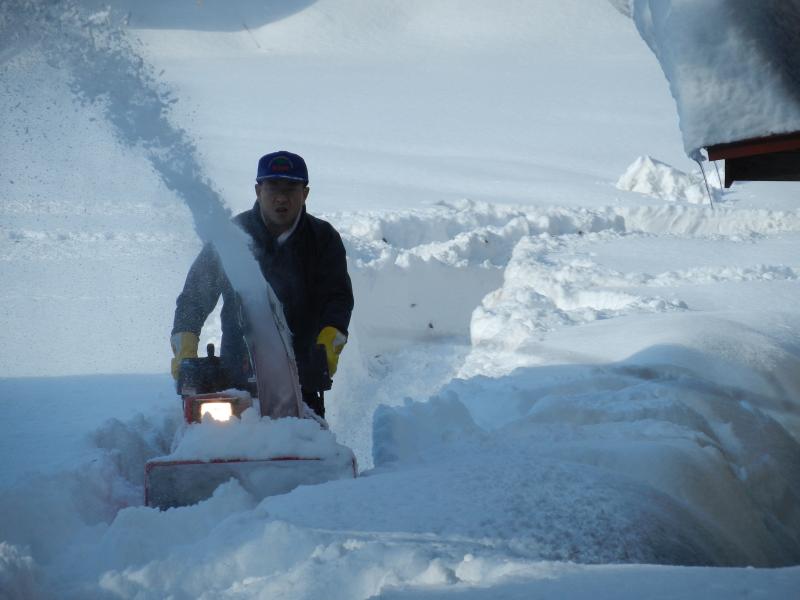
541 293
732 67
621 439
655 178
582 372
502 493
505 259
514 275
515 265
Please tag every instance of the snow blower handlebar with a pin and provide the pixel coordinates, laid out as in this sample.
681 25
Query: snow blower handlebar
202 375
208 375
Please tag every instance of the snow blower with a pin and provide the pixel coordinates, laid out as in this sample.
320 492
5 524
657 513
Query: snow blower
224 438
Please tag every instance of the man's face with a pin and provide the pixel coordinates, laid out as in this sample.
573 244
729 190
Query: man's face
280 201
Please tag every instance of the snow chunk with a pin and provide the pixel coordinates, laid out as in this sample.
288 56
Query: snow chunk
652 177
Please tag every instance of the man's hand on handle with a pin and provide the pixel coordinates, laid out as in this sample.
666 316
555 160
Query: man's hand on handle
184 345
333 340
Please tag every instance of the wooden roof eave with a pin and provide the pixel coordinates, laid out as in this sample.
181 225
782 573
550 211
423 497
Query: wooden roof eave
771 158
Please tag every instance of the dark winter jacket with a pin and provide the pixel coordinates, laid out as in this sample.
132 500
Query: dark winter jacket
308 273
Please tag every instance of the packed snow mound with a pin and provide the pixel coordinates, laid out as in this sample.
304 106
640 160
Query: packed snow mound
255 437
640 434
649 176
733 67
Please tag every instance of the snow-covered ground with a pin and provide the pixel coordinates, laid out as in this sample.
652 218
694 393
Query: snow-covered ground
568 376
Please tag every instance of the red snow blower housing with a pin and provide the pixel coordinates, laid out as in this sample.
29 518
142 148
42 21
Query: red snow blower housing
205 390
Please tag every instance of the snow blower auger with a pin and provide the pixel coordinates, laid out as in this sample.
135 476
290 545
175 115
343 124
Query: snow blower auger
224 438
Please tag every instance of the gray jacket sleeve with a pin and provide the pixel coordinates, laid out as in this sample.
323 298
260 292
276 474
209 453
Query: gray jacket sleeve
204 284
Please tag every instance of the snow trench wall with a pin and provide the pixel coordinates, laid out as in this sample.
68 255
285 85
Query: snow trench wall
433 273
640 461
733 66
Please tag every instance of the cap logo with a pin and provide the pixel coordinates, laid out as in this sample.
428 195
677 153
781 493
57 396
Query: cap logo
280 164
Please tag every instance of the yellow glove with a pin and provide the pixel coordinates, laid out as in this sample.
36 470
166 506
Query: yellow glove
184 345
333 340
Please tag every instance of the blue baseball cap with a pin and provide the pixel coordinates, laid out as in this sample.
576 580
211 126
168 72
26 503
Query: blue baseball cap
282 165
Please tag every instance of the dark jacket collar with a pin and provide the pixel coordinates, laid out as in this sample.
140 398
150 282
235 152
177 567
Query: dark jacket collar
252 222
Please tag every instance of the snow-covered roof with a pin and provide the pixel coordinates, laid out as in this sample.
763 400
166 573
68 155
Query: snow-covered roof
733 66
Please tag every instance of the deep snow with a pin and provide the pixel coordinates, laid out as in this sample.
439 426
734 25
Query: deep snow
547 375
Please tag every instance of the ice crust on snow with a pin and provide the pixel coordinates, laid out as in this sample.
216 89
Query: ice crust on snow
733 66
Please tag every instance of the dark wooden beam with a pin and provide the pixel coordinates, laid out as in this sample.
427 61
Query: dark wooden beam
772 158
778 166
754 146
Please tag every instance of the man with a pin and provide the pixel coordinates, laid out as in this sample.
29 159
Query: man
303 259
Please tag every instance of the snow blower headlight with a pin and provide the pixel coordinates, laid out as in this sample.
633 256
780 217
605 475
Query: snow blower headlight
219 411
